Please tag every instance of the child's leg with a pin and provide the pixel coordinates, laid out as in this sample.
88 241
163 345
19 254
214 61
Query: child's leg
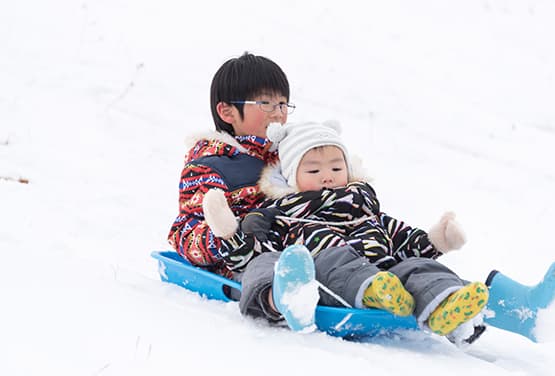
346 273
360 284
439 292
428 281
458 308
387 292
256 284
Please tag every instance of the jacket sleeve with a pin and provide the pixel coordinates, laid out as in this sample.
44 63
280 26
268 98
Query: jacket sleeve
364 199
190 235
304 204
408 241
355 201
193 239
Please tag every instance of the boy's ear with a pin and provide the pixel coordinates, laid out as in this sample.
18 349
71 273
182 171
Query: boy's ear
225 111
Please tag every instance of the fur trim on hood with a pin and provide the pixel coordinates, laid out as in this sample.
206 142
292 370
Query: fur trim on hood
274 186
192 140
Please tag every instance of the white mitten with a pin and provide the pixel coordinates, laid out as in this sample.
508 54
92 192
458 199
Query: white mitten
218 214
447 235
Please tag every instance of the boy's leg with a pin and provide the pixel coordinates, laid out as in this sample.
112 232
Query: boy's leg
341 269
295 290
256 283
516 306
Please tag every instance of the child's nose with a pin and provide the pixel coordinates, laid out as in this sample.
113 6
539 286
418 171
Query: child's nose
327 178
278 116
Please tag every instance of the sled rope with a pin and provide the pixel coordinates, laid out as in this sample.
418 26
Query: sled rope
334 295
329 223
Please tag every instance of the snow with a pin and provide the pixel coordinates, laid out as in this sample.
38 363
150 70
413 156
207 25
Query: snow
449 104
301 303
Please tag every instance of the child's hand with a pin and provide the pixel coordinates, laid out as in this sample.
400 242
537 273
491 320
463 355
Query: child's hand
218 214
447 235
258 222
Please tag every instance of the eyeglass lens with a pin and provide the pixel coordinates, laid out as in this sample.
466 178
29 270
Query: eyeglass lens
283 107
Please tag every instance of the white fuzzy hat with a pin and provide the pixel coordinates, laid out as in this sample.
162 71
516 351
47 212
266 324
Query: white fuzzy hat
294 140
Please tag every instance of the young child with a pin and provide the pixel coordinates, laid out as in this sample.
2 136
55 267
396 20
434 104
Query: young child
325 207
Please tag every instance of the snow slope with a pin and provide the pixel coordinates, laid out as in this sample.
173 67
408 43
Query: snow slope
450 105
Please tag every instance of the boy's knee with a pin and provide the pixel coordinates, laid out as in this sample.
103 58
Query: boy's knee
256 281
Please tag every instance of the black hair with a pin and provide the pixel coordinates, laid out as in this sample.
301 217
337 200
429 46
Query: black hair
244 78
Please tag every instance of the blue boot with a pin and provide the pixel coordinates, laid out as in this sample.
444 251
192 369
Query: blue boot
515 305
294 289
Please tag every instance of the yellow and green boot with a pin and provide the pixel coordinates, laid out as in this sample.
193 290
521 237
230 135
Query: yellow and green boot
387 292
458 308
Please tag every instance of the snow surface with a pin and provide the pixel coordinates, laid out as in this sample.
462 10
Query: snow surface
449 103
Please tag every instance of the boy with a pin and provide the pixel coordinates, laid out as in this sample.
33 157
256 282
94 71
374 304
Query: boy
247 94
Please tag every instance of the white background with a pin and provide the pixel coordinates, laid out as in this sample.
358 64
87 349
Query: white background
449 104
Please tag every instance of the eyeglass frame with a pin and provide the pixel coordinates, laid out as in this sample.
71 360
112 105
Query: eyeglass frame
280 105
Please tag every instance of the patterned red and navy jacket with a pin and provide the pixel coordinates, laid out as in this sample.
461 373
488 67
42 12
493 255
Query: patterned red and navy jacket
232 164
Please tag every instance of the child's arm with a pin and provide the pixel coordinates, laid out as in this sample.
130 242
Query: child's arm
304 204
445 236
253 236
189 235
239 241
352 202
408 241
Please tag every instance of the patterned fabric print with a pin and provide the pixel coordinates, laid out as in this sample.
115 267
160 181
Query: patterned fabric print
408 242
189 235
239 250
381 238
458 308
387 292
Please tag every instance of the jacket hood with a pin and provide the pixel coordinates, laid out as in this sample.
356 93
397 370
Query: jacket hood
224 138
220 143
274 185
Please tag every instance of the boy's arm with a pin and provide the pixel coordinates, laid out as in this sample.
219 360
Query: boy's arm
189 235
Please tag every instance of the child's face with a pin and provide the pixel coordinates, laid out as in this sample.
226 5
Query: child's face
323 167
255 121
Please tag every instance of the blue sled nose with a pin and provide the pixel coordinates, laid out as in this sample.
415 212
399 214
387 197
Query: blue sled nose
515 305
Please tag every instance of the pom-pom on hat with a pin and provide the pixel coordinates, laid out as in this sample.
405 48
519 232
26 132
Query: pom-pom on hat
294 140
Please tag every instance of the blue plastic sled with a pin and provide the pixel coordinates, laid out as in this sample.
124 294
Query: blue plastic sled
339 322
508 301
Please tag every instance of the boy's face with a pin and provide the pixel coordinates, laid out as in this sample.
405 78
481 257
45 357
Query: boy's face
323 167
255 121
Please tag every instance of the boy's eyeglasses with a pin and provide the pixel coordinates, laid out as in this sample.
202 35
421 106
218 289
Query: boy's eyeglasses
269 107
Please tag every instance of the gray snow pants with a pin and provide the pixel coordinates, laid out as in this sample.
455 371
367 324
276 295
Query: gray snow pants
345 272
